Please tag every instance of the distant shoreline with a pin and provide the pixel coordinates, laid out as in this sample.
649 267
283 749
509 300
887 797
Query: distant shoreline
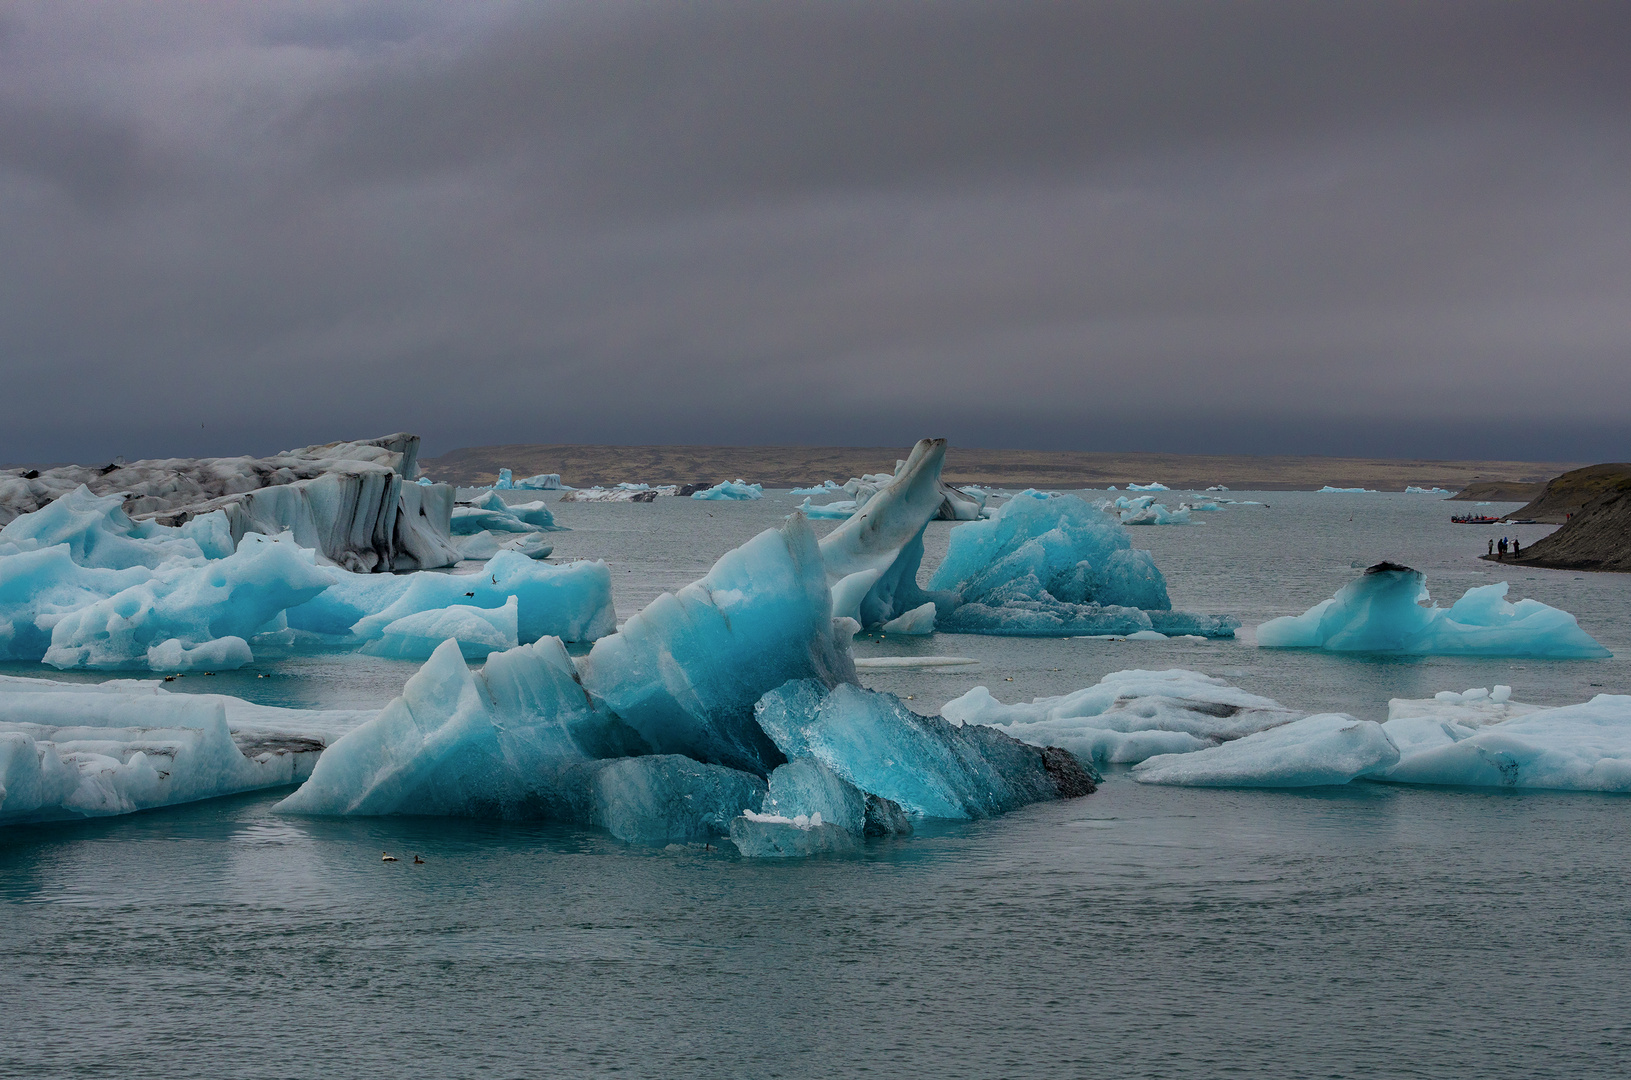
790 466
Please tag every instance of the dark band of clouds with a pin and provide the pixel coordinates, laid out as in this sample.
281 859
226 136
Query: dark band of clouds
1383 228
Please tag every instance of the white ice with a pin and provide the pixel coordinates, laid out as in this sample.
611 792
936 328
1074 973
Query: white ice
1128 716
477 631
1331 748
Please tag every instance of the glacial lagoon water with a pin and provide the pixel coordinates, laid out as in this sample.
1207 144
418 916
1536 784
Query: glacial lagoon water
1139 932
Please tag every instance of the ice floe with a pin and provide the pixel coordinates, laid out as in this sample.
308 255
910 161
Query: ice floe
1382 611
1331 748
1128 716
74 750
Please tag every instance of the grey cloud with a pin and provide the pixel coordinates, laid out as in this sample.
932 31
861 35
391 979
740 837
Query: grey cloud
1375 228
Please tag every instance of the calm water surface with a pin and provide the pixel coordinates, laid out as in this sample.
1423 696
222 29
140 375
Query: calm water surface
1363 931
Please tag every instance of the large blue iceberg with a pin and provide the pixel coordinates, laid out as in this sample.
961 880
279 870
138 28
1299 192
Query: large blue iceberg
1382 611
731 489
1053 566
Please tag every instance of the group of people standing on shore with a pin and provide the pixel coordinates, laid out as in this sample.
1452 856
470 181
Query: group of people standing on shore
1501 546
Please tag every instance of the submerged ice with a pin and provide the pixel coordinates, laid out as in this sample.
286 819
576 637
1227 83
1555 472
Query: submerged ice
1382 612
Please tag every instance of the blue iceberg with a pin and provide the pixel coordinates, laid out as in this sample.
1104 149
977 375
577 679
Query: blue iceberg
1053 566
686 671
927 766
1382 611
490 513
728 489
477 631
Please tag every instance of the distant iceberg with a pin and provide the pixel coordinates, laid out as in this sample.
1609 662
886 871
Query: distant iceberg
729 489
540 482
1328 489
1157 486
1382 612
492 514
842 510
1413 490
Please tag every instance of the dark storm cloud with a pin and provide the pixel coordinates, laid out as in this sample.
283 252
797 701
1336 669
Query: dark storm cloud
1373 228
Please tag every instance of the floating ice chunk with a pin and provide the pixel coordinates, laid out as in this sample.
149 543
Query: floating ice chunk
1157 486
490 513
540 482
493 744
221 654
571 601
1054 566
67 752
1157 514
478 632
928 766
1382 612
635 493
1329 490
664 798
921 663
1413 490
38 588
1331 748
771 836
920 620
826 487
1584 747
231 597
504 482
1128 716
834 511
738 489
686 671
1217 487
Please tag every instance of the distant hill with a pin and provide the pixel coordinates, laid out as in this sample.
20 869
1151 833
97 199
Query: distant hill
1571 492
1598 535
789 466
1498 491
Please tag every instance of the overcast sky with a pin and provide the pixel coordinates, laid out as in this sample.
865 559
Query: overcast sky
1392 229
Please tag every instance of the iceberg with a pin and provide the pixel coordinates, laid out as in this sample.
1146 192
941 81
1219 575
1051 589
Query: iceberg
1382 612
571 601
1413 490
521 740
1055 567
636 493
770 836
482 546
1329 490
504 482
840 511
926 765
98 533
477 631
540 482
727 489
805 791
1157 514
917 621
826 487
1157 486
872 559
1128 716
75 750
490 513
1331 748
1484 742
686 671
179 609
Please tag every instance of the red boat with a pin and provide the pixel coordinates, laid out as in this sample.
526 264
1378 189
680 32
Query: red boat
1475 519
